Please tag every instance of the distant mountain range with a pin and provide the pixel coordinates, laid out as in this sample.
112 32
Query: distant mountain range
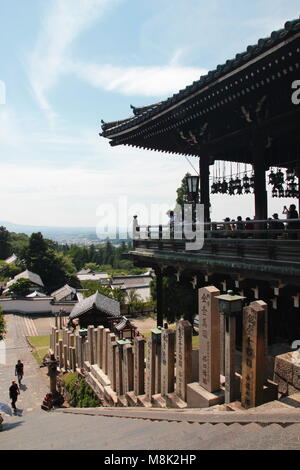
65 234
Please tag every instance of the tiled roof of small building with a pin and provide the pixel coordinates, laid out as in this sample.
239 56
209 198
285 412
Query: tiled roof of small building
102 303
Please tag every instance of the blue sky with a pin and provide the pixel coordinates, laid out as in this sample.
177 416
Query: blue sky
67 64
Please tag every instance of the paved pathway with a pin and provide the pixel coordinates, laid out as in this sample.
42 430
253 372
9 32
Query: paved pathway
35 429
35 383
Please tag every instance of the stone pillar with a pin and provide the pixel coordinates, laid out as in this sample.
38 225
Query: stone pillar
264 305
119 372
167 361
73 355
183 357
56 340
95 346
110 361
52 338
230 338
156 341
65 340
139 365
65 357
91 344
60 353
70 358
127 368
150 368
113 380
106 334
253 366
209 347
60 322
79 351
52 373
222 344
72 340
100 330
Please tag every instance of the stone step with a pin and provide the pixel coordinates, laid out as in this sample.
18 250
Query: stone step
293 400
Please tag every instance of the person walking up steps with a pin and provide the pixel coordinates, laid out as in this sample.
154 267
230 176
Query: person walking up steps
13 394
19 371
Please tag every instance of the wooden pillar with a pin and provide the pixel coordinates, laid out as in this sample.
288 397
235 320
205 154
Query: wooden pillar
260 190
204 186
159 296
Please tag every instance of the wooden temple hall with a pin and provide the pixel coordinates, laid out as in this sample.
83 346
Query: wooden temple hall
246 112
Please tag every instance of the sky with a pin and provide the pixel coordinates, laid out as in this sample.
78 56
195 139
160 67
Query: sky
67 64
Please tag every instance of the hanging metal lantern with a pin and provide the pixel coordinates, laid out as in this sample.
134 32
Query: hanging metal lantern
224 187
279 177
272 177
231 187
290 174
281 192
214 188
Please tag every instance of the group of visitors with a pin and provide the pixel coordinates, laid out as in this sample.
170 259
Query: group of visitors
274 225
14 390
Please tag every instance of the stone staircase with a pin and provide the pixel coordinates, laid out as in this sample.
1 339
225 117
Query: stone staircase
281 412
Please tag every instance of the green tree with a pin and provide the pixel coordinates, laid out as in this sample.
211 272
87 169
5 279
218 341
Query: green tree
93 286
20 288
179 299
53 267
8 271
182 192
2 325
134 301
5 247
92 266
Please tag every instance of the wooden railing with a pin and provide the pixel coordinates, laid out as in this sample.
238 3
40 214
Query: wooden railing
277 240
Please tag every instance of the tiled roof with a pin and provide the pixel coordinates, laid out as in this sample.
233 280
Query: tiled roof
102 303
33 277
63 292
253 51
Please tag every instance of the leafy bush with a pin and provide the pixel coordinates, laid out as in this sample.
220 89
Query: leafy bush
81 395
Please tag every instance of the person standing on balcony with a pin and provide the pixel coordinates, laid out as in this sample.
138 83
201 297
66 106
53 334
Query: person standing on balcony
275 224
293 227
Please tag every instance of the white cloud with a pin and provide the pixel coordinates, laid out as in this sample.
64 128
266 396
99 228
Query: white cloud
139 80
64 22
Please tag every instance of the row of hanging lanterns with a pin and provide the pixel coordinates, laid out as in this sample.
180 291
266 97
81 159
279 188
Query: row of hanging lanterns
284 185
237 184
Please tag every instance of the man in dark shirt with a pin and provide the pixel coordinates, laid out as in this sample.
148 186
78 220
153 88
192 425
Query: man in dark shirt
13 394
276 226
293 227
19 371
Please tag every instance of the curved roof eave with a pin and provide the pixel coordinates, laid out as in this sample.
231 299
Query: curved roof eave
264 46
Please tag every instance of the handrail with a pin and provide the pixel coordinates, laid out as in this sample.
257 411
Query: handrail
227 229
